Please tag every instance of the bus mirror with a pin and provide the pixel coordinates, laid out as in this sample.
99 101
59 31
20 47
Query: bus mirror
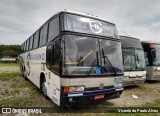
153 53
145 54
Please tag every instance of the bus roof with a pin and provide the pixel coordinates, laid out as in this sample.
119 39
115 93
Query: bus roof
130 42
151 42
71 12
83 14
128 37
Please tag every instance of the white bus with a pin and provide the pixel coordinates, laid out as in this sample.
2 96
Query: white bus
133 61
152 59
74 59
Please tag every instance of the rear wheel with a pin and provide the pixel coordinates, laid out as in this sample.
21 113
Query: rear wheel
24 74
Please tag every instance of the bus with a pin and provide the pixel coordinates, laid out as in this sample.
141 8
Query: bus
74 58
152 59
133 61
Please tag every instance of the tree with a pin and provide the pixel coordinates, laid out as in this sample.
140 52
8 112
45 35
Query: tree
10 50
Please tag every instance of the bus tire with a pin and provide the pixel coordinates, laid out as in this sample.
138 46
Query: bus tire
24 74
44 87
21 68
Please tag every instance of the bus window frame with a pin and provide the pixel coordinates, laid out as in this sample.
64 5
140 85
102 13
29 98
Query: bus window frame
52 43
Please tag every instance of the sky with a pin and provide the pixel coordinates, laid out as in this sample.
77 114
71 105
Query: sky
136 18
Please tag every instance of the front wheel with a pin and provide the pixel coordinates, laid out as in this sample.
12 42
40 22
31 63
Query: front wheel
44 89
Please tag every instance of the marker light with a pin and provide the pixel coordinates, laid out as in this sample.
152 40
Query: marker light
66 89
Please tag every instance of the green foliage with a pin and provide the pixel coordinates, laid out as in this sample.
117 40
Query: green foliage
10 50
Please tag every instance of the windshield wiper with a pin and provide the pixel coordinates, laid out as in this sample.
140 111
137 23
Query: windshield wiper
107 62
93 64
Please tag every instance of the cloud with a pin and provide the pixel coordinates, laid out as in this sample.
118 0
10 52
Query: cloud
20 18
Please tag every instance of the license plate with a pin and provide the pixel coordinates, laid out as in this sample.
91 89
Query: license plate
99 96
136 82
118 79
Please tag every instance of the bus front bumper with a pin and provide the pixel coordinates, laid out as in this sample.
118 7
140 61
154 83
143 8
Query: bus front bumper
134 81
73 98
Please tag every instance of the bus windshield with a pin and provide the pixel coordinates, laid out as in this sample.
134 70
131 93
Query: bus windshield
133 59
157 59
82 55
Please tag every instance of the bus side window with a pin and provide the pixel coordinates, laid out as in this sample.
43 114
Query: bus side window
48 57
36 40
53 56
53 29
43 35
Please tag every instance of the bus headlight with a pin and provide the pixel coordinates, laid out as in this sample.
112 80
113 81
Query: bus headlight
74 89
119 84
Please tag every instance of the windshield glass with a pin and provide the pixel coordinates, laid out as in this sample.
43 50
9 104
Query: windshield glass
82 55
157 59
133 59
112 52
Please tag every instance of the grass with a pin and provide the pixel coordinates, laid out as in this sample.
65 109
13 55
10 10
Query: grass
143 88
16 102
23 84
10 92
155 103
21 94
9 64
5 76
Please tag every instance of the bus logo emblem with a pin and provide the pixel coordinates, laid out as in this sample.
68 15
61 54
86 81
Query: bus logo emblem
101 86
96 27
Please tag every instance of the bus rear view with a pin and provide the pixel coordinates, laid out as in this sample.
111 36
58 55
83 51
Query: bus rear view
152 59
133 61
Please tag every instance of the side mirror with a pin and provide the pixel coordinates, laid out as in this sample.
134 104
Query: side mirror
153 52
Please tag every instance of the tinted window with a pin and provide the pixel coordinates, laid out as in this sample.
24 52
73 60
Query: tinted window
43 35
24 46
31 43
128 42
56 56
27 45
49 55
36 39
53 28
53 56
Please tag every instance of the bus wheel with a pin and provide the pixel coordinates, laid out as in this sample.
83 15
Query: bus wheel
24 74
44 89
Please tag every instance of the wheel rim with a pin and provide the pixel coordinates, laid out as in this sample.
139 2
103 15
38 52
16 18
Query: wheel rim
44 88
